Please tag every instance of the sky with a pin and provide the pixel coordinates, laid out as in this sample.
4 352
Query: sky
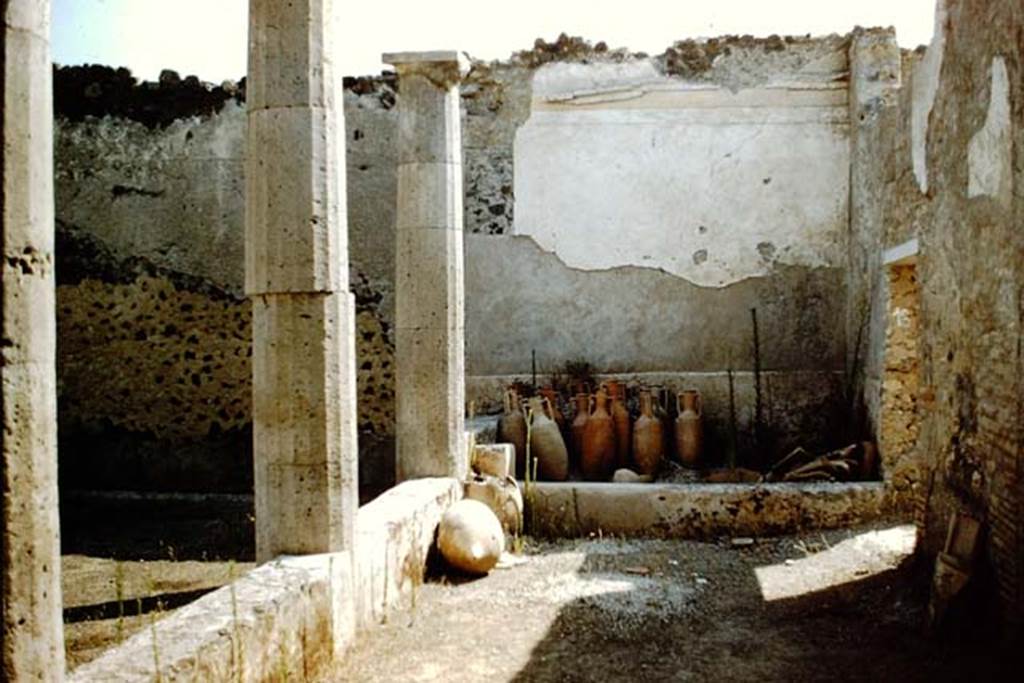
207 38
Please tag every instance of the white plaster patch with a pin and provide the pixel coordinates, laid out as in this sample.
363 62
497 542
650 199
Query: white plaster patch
989 152
925 85
624 167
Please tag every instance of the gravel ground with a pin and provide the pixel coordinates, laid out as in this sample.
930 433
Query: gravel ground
836 606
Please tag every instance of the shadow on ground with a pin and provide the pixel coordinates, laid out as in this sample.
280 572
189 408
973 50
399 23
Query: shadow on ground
868 628
840 606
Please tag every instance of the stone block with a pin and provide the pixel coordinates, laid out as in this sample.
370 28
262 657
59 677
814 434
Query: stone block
296 616
430 404
292 52
298 508
427 58
33 642
304 416
430 196
875 72
29 324
28 140
29 16
295 209
429 289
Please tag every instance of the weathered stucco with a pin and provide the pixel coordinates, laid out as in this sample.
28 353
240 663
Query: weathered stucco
172 195
970 266
925 85
620 165
635 319
989 153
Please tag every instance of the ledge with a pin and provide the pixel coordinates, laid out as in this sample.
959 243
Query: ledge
700 511
428 56
902 254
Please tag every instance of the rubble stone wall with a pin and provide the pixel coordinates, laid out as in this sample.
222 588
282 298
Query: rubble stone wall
972 270
949 171
899 427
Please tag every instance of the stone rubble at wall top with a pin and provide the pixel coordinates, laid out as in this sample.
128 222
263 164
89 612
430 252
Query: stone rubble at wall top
86 90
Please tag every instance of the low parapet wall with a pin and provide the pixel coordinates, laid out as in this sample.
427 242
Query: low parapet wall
292 618
699 511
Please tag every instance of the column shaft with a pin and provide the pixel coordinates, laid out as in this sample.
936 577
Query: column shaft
33 642
429 353
304 418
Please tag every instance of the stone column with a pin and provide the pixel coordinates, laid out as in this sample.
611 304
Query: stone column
33 639
296 270
429 321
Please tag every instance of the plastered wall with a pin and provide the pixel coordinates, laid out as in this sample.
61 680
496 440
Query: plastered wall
622 165
149 191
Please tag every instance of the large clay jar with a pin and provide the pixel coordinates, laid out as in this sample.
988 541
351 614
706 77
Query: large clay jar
623 427
689 428
470 537
579 424
502 495
660 399
546 443
612 388
512 429
597 460
648 438
551 396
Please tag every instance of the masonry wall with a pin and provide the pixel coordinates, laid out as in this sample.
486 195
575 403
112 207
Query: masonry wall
900 417
658 200
154 330
955 182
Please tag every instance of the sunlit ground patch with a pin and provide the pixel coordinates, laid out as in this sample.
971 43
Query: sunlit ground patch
854 559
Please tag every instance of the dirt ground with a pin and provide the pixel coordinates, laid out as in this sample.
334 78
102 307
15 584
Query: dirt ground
838 606
129 561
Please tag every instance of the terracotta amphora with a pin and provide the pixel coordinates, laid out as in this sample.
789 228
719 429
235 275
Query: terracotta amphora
623 428
689 428
598 457
648 437
512 429
579 423
546 443
551 395
612 387
660 399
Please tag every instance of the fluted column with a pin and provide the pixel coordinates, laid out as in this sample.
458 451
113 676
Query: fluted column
429 319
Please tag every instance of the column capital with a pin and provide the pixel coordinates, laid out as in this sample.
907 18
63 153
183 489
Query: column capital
444 68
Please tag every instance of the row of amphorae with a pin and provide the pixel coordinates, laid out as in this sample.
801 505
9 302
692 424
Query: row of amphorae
602 435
